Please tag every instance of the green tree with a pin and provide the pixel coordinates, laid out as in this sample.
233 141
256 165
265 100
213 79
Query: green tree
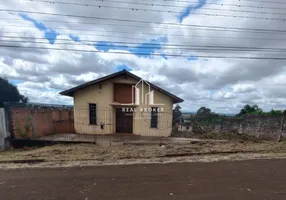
10 93
177 114
203 111
205 116
247 109
276 112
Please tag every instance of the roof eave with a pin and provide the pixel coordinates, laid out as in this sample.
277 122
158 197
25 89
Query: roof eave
179 101
70 92
66 93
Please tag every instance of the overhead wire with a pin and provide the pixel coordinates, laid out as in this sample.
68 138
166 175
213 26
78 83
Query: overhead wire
135 25
144 33
137 38
154 45
146 54
224 28
145 22
146 9
253 1
169 11
264 1
185 3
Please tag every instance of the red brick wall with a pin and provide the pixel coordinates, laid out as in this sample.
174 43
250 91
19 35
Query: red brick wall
29 122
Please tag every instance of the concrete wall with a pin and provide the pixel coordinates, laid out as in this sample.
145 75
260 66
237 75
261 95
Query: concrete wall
3 131
262 126
103 95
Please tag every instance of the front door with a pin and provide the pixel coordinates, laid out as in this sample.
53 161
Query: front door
124 121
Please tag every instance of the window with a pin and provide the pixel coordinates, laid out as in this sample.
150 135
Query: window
92 114
122 93
188 127
154 117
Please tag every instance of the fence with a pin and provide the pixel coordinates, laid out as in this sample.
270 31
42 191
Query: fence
29 121
262 126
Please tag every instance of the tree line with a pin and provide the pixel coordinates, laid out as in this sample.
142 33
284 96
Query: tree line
10 93
206 114
255 110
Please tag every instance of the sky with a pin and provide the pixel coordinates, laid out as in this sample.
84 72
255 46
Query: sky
223 84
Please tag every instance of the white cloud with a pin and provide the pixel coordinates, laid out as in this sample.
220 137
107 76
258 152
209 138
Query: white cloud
244 87
224 85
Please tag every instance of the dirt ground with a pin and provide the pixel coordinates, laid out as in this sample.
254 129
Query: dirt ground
239 180
91 154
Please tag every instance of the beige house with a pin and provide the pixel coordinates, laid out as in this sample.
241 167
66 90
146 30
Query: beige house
122 103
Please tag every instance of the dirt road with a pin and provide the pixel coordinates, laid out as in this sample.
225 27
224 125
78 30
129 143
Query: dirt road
243 180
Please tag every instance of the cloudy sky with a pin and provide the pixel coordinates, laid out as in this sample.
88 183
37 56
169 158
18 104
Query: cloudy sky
218 67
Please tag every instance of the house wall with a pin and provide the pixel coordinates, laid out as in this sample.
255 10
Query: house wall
142 121
185 128
103 95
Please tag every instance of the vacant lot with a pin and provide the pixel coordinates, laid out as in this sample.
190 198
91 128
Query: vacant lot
90 154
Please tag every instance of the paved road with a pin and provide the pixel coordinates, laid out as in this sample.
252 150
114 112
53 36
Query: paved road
264 179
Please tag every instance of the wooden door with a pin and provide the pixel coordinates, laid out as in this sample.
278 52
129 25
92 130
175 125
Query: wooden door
124 121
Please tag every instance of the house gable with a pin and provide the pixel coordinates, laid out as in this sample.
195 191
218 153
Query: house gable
104 92
119 77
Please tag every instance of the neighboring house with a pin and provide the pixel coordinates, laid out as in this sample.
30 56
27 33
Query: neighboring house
185 127
185 124
122 103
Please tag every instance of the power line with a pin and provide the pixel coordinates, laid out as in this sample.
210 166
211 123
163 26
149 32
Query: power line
133 25
78 23
148 33
145 9
88 30
186 3
254 1
101 35
136 38
146 54
130 32
264 1
130 48
171 11
268 31
155 45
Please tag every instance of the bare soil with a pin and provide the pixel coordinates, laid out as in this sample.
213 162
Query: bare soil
90 154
